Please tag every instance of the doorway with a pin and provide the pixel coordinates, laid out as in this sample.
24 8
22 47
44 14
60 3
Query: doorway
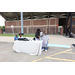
62 22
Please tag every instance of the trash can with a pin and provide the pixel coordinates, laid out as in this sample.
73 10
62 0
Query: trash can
61 31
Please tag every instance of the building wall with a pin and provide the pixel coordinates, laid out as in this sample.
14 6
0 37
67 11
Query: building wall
1 31
73 25
30 26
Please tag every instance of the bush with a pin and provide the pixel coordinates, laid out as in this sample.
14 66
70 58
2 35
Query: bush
3 27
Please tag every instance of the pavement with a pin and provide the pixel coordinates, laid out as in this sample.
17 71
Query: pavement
9 39
53 39
54 54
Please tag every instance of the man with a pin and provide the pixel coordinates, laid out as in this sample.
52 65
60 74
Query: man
41 33
72 34
15 38
37 35
45 39
20 36
68 29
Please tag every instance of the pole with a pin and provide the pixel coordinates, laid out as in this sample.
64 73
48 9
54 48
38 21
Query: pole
13 31
71 22
22 22
67 22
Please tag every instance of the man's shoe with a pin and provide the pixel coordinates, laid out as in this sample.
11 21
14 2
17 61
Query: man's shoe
45 50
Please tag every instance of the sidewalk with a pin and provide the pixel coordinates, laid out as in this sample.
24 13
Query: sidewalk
54 54
53 39
59 39
9 39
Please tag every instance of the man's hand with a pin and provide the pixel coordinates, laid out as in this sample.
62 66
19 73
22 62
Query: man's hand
39 36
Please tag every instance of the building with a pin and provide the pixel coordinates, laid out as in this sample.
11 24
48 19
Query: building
52 22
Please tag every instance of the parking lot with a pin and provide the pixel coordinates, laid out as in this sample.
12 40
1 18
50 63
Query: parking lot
54 54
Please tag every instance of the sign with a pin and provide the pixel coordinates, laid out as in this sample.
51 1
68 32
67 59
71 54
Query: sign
57 25
12 29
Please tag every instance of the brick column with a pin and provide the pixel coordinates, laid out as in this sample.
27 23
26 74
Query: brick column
5 26
57 23
30 26
46 29
46 24
1 31
58 19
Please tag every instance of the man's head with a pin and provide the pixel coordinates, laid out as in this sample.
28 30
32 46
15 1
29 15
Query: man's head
20 34
16 35
45 33
38 30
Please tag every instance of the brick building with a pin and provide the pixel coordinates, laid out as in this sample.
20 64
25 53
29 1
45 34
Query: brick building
52 22
30 26
1 31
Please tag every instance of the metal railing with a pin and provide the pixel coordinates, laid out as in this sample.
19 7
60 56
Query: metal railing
73 29
33 30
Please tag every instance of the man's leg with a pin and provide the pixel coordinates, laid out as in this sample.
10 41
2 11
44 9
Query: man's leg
74 35
46 46
42 48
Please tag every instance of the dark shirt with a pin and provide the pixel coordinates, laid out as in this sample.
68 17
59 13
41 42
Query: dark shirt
67 29
37 34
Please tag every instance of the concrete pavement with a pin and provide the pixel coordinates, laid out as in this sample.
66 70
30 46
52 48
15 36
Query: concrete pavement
53 39
54 54
8 39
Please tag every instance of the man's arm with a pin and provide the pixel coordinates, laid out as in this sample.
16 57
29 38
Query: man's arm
39 36
14 39
35 34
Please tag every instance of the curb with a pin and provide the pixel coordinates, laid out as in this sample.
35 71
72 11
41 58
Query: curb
5 42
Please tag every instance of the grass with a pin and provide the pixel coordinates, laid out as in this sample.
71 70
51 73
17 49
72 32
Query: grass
26 35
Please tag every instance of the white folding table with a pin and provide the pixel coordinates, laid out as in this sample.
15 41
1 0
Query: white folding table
28 47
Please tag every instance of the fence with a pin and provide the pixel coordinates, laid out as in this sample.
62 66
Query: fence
33 30
73 29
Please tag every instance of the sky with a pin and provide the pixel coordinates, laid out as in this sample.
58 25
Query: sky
2 21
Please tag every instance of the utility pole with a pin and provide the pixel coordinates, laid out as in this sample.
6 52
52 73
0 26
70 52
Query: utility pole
71 23
22 23
67 22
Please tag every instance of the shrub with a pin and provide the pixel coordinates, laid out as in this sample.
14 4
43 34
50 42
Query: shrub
3 27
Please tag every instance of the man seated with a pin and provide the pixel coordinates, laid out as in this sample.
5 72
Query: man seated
15 38
72 34
45 39
20 36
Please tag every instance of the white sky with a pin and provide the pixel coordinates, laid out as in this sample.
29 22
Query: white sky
2 21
